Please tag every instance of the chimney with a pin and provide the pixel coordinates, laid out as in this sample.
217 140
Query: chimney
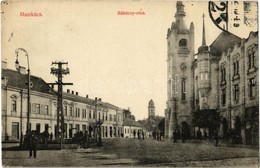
4 65
72 92
86 96
99 99
68 91
22 70
77 93
95 98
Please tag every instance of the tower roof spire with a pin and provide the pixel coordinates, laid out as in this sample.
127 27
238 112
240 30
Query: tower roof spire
203 47
203 32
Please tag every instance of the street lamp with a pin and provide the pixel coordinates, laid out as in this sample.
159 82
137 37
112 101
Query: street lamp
17 66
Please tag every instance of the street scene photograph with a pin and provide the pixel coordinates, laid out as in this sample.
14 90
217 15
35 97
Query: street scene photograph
129 83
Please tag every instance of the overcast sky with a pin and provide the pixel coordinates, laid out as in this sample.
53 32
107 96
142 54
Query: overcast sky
119 58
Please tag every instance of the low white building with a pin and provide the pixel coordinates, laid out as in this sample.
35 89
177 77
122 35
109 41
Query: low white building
130 126
79 112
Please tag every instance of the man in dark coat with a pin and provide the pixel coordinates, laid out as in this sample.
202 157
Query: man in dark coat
33 144
175 135
216 137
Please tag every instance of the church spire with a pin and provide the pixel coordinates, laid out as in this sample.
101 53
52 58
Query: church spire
203 33
179 15
203 47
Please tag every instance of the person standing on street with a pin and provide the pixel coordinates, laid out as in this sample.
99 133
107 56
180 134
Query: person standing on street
216 137
33 144
175 136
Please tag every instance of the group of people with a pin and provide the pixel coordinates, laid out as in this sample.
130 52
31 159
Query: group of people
140 134
157 134
177 135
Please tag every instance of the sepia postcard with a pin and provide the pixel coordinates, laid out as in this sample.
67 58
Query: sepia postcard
141 83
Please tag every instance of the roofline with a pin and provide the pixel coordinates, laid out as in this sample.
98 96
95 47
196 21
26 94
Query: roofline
221 34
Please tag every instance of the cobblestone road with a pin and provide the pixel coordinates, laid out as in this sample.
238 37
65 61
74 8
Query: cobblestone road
118 153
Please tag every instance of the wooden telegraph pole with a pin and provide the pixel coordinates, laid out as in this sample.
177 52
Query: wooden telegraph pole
59 72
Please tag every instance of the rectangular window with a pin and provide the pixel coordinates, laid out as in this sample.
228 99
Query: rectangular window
103 116
14 105
77 127
84 113
110 117
89 113
70 130
236 92
223 74
252 88
114 116
77 113
65 129
38 108
183 89
38 127
71 111
106 116
46 109
236 68
84 128
94 114
46 127
223 96
251 58
65 110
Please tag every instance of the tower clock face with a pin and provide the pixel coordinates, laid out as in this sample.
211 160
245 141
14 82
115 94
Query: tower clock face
183 67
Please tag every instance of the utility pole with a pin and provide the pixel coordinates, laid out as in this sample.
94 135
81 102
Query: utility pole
59 72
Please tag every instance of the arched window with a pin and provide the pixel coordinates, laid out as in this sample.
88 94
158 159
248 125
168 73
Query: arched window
183 43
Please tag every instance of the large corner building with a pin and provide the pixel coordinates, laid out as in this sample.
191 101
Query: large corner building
222 76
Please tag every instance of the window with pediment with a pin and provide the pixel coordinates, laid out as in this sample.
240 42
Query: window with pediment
251 56
236 66
14 103
223 73
252 88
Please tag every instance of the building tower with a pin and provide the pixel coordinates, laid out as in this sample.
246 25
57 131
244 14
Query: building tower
151 108
180 56
205 76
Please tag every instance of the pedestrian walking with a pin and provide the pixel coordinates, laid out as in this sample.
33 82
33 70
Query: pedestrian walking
199 134
216 137
183 136
134 133
175 134
33 144
138 134
143 134
51 136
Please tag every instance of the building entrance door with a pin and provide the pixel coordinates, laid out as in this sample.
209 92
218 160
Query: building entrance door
15 130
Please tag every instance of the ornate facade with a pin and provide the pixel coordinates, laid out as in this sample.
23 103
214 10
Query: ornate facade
221 76
180 57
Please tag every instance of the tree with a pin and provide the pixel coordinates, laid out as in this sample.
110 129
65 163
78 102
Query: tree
207 118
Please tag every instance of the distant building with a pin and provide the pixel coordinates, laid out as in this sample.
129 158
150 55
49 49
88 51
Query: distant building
79 112
151 108
128 114
130 126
